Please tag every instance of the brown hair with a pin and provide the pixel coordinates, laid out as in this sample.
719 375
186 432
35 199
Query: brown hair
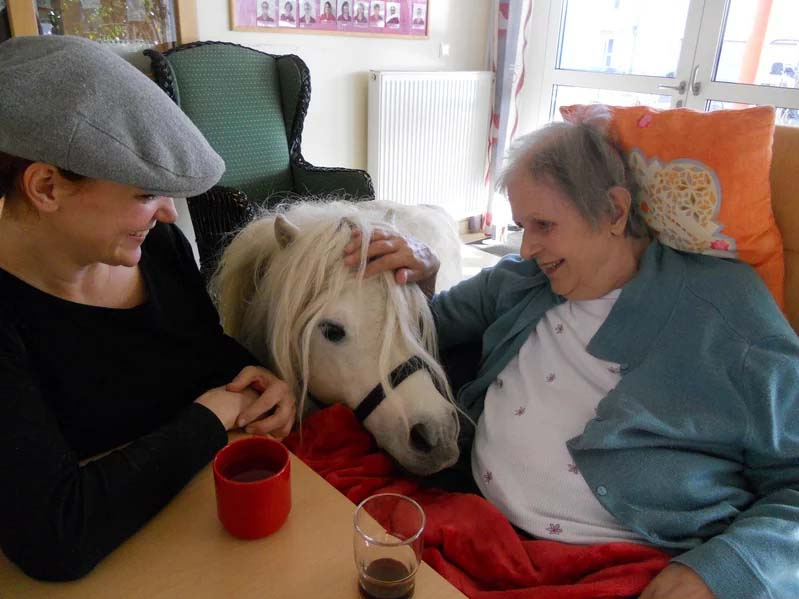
11 167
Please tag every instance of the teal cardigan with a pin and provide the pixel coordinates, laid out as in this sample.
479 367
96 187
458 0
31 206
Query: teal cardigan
697 448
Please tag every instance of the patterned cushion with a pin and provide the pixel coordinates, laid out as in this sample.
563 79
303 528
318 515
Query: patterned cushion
705 180
233 95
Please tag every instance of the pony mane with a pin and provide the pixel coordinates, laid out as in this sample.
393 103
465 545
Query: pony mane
279 307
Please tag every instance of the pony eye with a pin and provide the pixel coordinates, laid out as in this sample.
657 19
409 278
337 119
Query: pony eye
332 331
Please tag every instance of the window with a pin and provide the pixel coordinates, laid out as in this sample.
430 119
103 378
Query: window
127 24
702 54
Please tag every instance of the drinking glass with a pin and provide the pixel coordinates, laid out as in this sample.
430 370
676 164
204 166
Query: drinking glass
388 545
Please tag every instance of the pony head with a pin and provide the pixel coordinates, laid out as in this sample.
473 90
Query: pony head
284 292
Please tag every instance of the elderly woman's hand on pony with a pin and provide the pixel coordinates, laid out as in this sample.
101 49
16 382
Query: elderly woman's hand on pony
411 260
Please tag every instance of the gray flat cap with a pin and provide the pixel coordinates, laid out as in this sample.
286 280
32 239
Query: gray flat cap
70 102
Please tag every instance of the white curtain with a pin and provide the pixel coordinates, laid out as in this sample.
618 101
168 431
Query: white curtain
511 20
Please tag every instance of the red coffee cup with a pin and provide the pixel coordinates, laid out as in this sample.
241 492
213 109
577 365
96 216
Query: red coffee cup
253 487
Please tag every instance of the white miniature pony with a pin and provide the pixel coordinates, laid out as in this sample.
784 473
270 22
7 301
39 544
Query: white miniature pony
285 293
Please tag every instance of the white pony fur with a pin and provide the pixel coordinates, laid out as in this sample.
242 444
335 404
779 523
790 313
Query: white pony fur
275 292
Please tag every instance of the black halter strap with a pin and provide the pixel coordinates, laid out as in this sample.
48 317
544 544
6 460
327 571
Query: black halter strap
376 395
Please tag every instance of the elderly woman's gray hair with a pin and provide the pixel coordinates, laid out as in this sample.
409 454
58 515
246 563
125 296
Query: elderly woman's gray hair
583 163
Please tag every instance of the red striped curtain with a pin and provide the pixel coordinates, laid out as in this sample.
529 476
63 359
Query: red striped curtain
506 59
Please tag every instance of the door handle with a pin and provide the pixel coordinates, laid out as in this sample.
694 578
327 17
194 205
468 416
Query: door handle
679 88
696 86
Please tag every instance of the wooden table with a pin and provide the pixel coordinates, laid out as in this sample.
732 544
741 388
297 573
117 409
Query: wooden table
185 552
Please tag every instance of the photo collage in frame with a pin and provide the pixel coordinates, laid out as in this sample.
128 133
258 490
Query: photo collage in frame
403 18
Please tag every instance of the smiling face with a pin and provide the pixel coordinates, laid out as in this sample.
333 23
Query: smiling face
582 262
108 222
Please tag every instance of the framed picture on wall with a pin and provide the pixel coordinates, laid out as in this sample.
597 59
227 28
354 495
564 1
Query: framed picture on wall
388 18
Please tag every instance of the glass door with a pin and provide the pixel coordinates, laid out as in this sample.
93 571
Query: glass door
748 54
702 54
622 52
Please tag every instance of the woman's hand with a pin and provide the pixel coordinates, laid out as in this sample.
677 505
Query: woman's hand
411 260
227 405
275 395
677 582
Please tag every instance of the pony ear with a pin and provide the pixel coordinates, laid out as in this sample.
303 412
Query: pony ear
285 231
346 221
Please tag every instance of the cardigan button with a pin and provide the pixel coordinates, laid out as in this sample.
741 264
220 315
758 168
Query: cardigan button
601 491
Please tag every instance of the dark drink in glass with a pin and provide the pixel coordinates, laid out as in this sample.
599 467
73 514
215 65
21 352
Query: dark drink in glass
388 545
386 578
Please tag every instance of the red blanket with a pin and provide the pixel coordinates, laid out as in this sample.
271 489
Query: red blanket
467 540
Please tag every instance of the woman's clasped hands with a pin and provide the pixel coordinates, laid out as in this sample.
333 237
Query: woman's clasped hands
256 401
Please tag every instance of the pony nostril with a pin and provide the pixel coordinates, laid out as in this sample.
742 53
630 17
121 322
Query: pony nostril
420 438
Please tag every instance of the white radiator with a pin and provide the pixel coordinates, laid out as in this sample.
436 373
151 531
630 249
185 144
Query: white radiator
428 137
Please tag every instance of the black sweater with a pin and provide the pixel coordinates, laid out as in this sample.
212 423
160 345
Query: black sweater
76 381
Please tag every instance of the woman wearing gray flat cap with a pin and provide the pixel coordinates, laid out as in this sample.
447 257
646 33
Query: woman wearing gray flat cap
108 338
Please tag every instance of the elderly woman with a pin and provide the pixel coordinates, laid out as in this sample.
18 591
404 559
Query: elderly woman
626 391
109 343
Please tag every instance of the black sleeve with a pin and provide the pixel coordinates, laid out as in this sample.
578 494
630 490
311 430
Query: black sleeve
58 519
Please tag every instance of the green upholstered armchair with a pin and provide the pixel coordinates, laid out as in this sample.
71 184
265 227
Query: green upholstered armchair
250 106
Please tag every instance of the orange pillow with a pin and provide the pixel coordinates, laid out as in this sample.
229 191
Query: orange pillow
704 180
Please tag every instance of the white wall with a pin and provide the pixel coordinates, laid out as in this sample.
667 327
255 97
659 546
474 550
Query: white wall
335 128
